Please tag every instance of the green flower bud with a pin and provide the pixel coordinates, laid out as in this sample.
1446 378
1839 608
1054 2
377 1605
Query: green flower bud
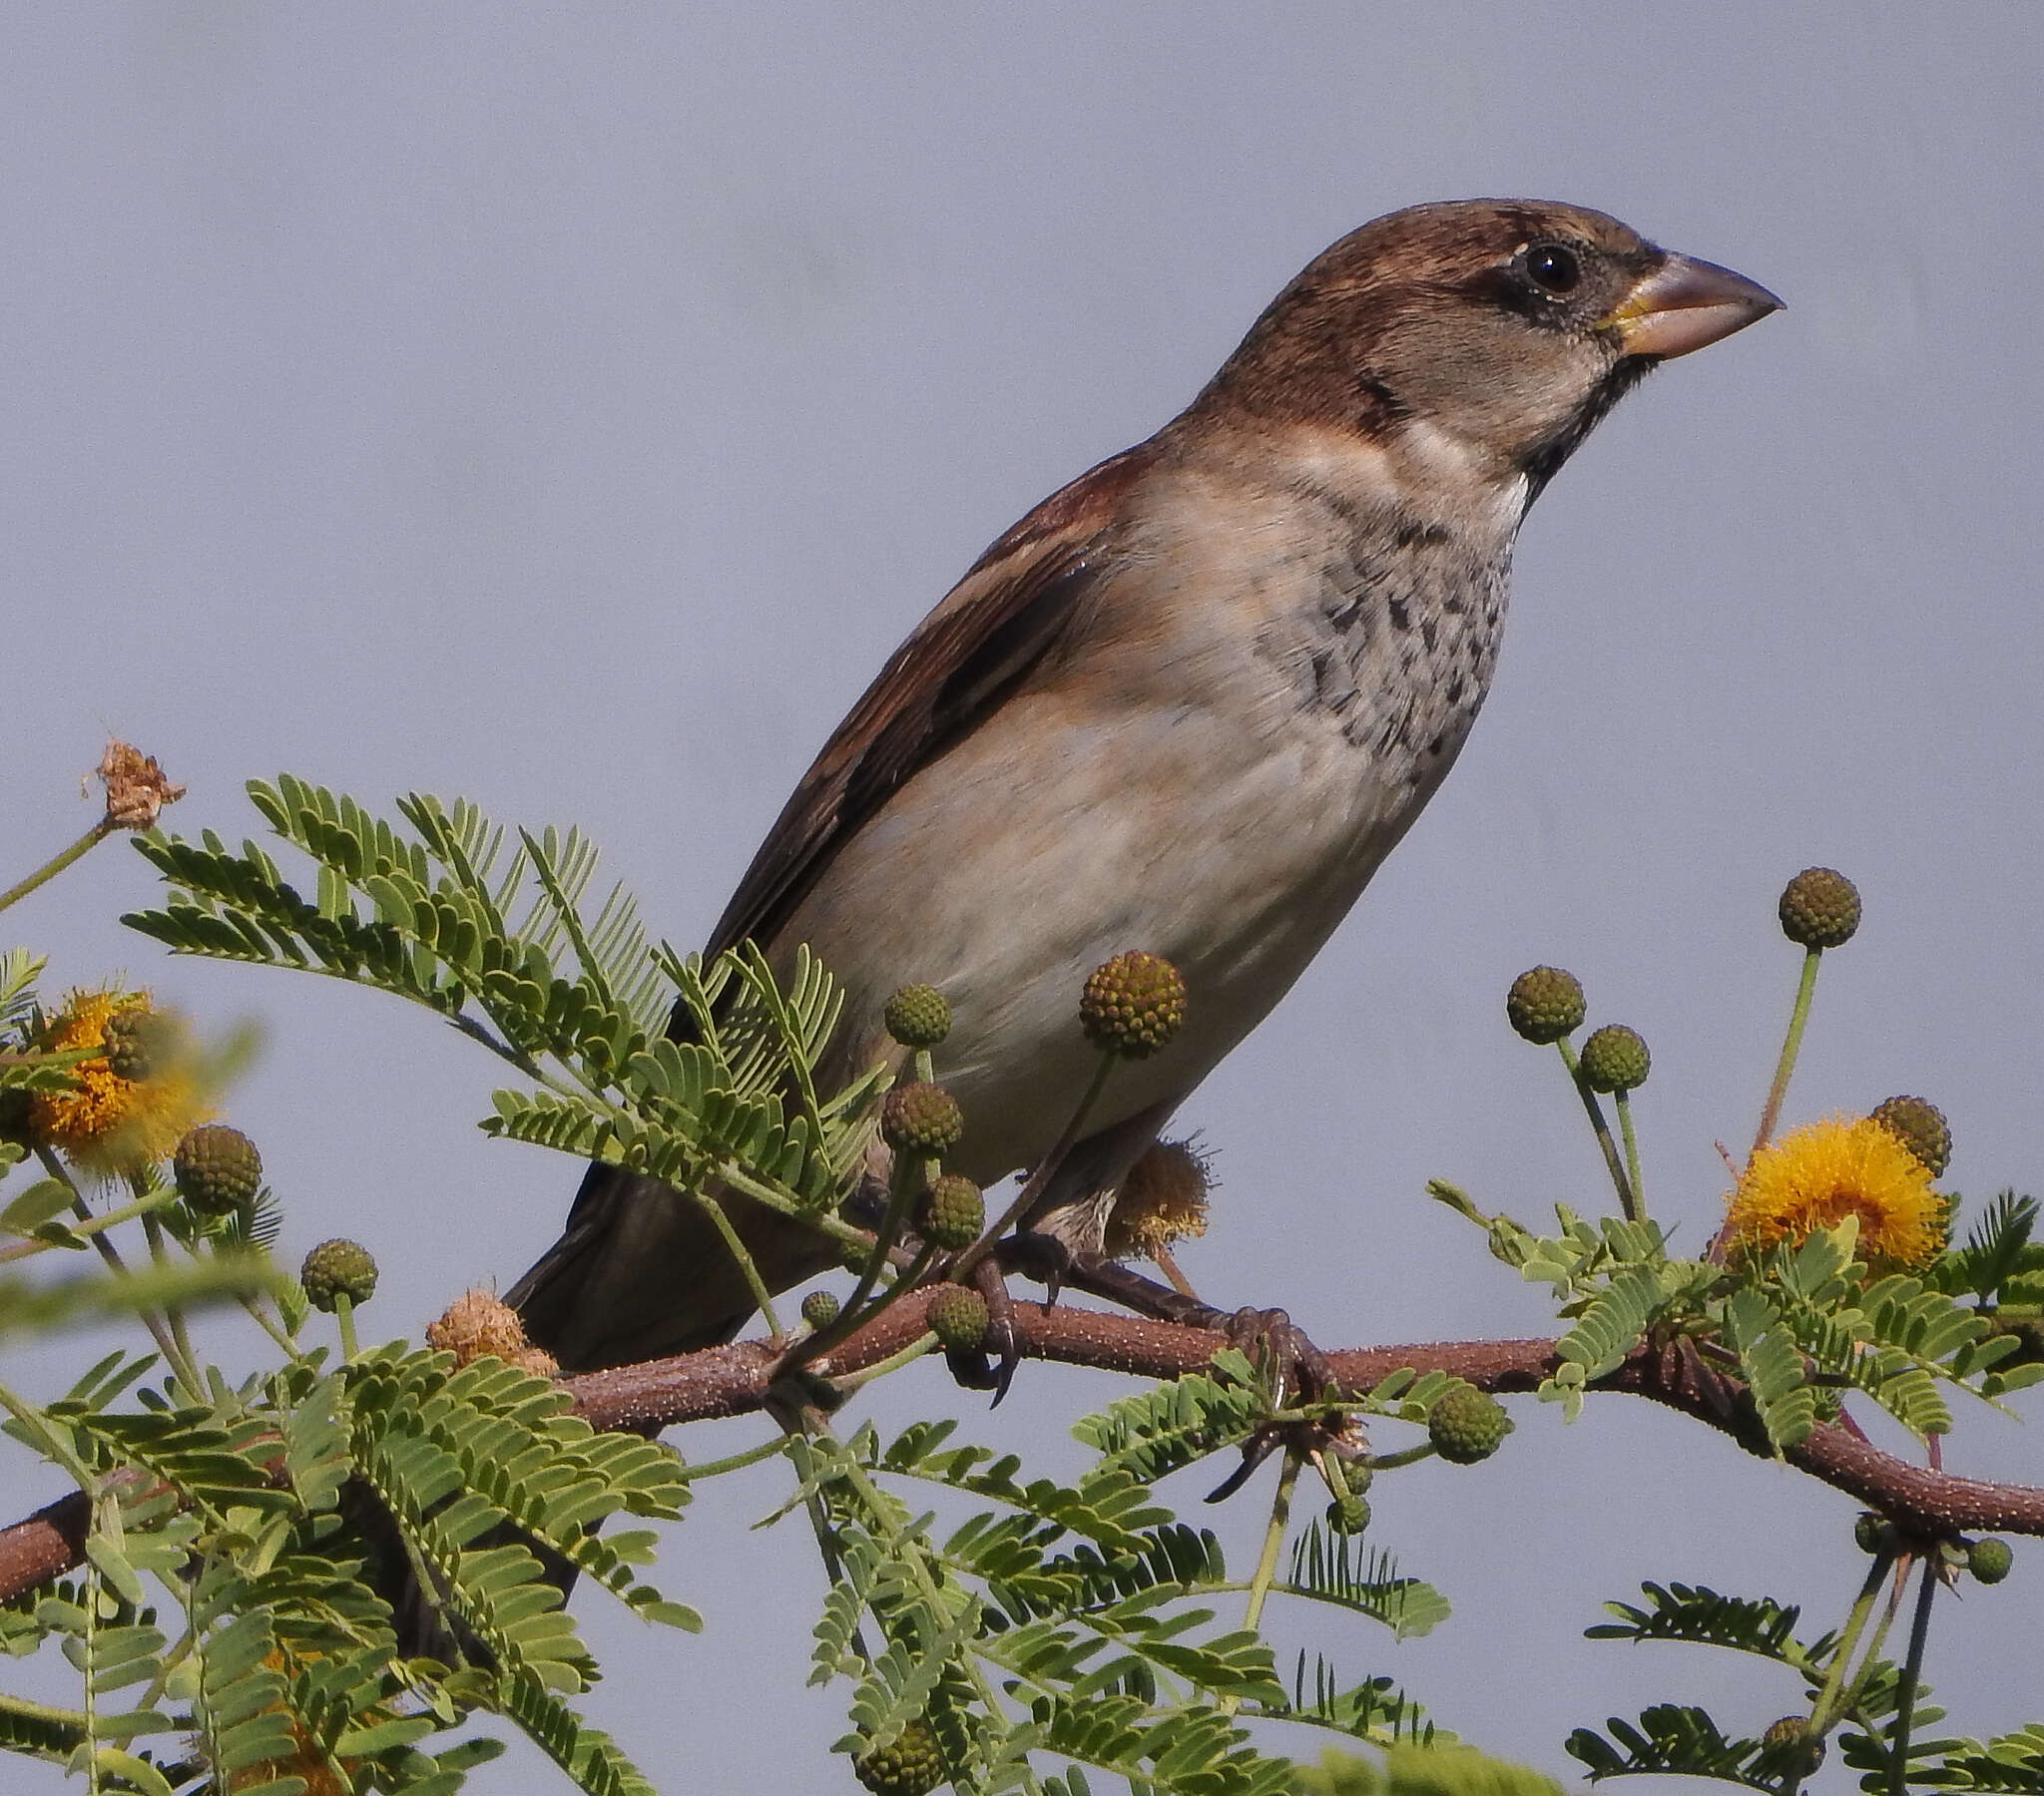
1615 1059
910 1764
952 1213
919 1016
1920 1127
335 1269
1466 1424
921 1119
1545 1004
1348 1514
217 1170
957 1316
1132 1005
1819 908
1989 1560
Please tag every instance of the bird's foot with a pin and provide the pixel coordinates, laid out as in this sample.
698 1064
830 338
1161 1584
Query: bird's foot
1294 1370
991 1365
1318 1439
1267 1336
1282 1350
1043 1257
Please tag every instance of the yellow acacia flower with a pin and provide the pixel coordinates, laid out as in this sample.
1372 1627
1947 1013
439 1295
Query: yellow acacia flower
106 1125
1163 1199
1817 1175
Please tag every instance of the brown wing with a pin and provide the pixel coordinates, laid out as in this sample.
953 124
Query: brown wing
992 628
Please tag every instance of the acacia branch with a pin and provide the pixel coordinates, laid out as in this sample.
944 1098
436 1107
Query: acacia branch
735 1380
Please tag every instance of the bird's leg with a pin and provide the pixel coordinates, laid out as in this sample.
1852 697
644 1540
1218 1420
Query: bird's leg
1297 1363
1267 1336
991 1365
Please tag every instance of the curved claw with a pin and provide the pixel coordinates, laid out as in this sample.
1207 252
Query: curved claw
972 1366
1042 1258
1270 1336
1255 1451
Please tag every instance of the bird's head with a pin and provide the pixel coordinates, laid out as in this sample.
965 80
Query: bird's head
1508 326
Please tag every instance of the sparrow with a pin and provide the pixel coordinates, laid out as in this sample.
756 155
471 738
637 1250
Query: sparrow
1188 705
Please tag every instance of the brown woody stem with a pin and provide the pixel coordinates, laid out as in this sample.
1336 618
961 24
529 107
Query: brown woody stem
735 1380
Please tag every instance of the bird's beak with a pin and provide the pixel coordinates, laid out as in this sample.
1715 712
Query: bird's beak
1687 305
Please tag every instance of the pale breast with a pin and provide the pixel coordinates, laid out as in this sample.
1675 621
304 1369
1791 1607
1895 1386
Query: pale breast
1274 684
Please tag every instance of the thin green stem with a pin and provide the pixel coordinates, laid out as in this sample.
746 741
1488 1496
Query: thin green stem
48 1443
915 1350
847 1234
92 1593
763 1299
1834 1678
906 1278
1637 1212
260 1315
911 1176
169 1664
1912 1672
1856 1688
1033 1186
1791 1046
1406 1455
735 1462
1595 1112
185 1365
344 1317
49 870
919 1562
819 1526
107 1251
90 1224
1274 1542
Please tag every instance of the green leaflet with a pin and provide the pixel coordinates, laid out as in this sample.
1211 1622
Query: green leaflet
1771 1368
502 940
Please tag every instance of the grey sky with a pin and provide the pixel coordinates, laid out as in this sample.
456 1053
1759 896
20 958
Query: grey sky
570 407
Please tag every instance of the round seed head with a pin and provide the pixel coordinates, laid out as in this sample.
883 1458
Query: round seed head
908 1765
217 1170
1819 908
957 1317
919 1016
920 1117
1132 1005
1466 1424
1989 1560
1348 1514
954 1212
1875 1532
1794 1730
1615 1059
335 1269
819 1309
1920 1127
137 1043
1545 1004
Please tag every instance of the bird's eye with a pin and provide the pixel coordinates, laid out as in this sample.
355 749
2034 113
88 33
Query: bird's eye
1553 268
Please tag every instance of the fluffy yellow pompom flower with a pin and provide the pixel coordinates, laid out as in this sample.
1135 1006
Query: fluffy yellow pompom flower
1162 1202
1817 1175
106 1125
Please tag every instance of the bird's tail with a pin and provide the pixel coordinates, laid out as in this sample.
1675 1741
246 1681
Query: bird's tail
641 1271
